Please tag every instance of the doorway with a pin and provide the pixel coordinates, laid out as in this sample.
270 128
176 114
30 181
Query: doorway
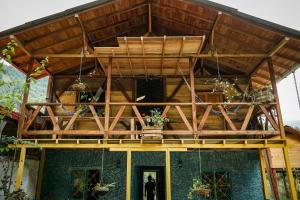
149 90
157 177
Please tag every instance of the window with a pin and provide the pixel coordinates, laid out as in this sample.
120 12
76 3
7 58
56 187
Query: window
83 181
219 182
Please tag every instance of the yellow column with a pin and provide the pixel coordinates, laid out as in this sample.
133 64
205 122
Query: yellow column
168 175
20 169
128 176
40 175
289 172
263 174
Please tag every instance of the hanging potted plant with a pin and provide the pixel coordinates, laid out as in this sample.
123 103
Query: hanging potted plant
199 188
228 89
155 121
79 85
103 188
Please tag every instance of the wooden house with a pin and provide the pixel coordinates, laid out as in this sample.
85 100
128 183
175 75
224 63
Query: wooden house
113 62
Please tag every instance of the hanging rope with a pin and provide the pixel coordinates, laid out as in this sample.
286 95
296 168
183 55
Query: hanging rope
102 160
200 164
296 86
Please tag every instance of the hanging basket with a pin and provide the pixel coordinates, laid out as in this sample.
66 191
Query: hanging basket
103 188
79 86
202 191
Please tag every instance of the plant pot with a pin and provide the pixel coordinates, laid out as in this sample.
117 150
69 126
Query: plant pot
202 191
79 86
152 132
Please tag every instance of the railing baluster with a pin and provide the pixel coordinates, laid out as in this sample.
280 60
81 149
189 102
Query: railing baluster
247 118
96 117
183 117
137 113
268 117
32 118
226 117
115 121
204 118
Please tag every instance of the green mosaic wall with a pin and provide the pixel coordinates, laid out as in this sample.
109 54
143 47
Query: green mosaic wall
242 167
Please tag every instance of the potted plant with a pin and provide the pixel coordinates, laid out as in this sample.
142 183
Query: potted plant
155 121
79 85
199 188
103 188
228 89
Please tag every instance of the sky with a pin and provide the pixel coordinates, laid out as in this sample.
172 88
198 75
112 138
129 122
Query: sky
284 12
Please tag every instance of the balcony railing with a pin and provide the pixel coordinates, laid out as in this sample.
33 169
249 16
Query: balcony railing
87 119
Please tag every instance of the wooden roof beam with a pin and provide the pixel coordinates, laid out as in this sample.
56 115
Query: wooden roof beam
180 53
144 62
128 54
212 33
20 44
272 52
149 17
163 54
223 55
117 63
87 47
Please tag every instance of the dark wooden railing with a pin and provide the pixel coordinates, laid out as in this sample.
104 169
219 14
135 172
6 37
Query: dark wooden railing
57 125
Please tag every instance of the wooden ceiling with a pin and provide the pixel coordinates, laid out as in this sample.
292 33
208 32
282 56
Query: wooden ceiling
98 24
145 55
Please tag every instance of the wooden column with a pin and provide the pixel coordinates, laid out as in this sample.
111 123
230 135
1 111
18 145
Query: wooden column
168 175
107 99
192 80
128 176
50 89
273 82
20 169
263 174
289 171
24 100
40 175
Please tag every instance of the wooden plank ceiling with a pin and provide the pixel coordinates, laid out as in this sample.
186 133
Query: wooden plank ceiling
100 23
146 47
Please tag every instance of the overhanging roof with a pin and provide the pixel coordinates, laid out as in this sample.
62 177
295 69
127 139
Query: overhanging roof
104 21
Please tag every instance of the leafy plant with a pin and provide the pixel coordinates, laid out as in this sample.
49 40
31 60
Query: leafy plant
198 188
103 187
228 89
156 118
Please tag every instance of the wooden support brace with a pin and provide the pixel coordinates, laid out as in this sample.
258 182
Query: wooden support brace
183 117
226 117
204 118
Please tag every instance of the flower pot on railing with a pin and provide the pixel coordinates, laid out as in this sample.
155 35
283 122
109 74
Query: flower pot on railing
155 124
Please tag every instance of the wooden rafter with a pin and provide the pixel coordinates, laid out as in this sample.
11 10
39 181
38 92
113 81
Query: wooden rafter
162 53
128 54
180 54
272 52
212 33
144 62
27 52
149 17
116 61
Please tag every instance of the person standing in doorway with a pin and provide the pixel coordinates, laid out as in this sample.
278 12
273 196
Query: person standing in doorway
150 188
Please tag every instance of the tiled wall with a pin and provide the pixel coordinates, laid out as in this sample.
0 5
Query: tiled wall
242 167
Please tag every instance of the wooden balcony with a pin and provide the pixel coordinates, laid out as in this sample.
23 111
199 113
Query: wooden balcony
125 120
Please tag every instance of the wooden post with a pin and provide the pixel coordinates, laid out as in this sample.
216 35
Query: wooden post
192 80
49 89
168 174
25 99
132 128
263 174
20 169
40 175
289 171
128 176
107 99
273 82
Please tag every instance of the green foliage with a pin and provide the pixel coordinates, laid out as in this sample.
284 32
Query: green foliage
156 118
12 89
197 184
17 195
228 89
